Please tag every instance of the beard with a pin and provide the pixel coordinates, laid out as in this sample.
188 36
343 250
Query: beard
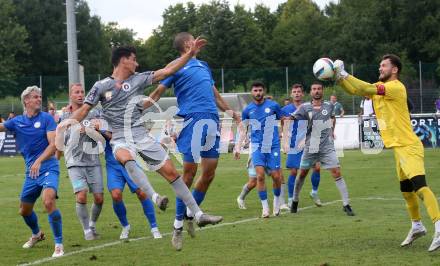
317 96
384 77
257 98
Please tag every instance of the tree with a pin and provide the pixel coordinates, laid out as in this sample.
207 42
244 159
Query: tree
12 42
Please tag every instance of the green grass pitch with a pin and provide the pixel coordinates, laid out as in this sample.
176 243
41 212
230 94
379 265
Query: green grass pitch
314 236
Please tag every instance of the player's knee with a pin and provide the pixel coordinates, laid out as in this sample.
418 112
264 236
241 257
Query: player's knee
81 197
317 168
336 172
99 198
252 183
260 178
49 204
406 186
418 181
141 195
116 195
293 172
25 211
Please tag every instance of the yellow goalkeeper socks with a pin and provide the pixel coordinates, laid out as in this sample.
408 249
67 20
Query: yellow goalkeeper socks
412 205
430 202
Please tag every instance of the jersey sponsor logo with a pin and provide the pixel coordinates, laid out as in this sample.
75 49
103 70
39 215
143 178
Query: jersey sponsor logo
37 124
108 95
21 125
267 110
126 87
324 112
380 89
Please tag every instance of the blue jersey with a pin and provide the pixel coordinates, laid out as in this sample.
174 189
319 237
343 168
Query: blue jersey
31 138
299 128
258 115
193 87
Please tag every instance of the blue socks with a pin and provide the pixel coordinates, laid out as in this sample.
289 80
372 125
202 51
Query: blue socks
56 225
263 194
198 196
148 207
181 208
291 185
121 212
276 192
32 222
316 177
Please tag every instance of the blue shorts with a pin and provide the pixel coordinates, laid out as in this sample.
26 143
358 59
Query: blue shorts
270 161
294 160
117 177
200 137
32 187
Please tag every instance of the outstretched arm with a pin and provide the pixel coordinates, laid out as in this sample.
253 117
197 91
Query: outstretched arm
174 66
351 84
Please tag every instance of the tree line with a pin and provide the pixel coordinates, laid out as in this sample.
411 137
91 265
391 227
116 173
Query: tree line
33 35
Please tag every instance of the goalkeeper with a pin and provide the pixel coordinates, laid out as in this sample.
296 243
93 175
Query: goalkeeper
390 104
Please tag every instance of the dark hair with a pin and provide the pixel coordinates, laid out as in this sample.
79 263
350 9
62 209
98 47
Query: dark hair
122 51
297 85
316 82
395 61
258 84
180 39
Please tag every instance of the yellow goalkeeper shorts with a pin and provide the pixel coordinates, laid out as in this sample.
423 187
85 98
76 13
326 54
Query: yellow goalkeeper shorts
409 160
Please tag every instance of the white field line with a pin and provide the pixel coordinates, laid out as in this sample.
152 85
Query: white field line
47 259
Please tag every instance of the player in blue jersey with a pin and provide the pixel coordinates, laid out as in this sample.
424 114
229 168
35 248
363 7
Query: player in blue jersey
117 177
35 136
296 134
197 99
262 117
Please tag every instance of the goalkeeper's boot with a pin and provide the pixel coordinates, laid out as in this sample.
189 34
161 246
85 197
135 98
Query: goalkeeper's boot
435 245
413 234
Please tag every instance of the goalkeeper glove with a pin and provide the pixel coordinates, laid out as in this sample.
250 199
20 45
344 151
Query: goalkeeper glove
340 72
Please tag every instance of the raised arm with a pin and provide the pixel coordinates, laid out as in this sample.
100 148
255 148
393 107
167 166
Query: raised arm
174 66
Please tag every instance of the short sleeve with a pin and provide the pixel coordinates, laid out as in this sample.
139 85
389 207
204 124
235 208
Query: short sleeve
333 110
245 114
300 113
146 78
10 124
341 107
278 111
209 71
169 81
50 123
93 96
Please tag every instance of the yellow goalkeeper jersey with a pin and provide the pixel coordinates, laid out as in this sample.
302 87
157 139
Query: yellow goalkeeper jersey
391 107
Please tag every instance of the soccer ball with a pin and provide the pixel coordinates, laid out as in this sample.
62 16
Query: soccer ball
323 69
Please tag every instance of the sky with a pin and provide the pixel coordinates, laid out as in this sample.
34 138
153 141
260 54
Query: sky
143 16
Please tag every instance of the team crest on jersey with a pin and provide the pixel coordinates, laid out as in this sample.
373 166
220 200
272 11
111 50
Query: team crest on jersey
267 110
126 87
324 112
86 123
37 124
108 95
